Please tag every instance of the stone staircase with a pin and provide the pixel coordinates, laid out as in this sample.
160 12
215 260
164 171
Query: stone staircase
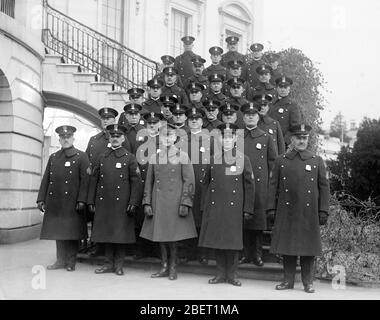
69 79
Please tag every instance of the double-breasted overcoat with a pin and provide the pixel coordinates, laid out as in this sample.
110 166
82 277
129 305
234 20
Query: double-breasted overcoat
169 183
65 182
260 149
229 192
114 184
298 191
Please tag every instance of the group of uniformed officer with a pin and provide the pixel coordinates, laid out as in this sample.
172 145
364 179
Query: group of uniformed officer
209 158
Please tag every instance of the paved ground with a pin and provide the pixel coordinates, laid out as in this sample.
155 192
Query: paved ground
17 280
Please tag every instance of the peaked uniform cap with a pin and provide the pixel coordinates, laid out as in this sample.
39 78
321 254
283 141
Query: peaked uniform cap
65 130
132 108
256 47
116 128
216 51
107 113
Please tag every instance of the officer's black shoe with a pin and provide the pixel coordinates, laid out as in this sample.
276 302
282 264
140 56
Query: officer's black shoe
309 288
244 260
216 280
234 282
284 286
119 272
70 268
173 273
164 272
258 262
104 269
56 266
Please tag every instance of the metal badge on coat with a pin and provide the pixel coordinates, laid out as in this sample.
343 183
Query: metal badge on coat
118 165
270 131
281 110
67 164
258 146
233 168
142 122
109 145
308 167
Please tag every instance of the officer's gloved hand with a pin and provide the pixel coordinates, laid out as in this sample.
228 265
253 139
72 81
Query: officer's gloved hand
80 207
183 211
148 211
323 216
91 208
271 216
248 216
131 209
41 206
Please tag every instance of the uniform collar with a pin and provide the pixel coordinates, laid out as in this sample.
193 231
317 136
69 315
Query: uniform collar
266 119
254 133
118 152
304 155
69 152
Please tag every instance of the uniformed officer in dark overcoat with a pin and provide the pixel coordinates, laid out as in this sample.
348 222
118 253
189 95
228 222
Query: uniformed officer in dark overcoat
253 61
115 192
211 108
153 103
273 59
261 151
62 197
171 88
215 67
183 62
230 113
179 117
197 76
136 96
234 72
283 108
167 102
168 61
267 124
98 144
168 199
298 198
134 124
232 54
199 151
196 90
214 93
263 85
229 194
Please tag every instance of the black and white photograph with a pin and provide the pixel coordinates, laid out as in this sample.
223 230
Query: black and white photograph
200 152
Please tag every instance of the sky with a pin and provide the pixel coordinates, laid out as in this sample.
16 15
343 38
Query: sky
343 39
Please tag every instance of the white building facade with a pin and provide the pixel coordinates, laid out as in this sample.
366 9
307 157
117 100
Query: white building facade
35 77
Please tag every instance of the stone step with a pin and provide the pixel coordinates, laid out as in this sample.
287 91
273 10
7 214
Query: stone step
52 59
102 86
270 271
67 68
84 77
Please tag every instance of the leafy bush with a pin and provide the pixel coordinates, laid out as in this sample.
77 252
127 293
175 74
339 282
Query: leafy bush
351 239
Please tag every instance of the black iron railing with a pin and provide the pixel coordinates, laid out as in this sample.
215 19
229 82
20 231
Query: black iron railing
95 52
8 7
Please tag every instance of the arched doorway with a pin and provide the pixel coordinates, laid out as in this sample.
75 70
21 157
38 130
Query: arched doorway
65 110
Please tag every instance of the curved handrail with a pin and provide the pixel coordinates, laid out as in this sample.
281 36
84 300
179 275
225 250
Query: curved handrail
98 33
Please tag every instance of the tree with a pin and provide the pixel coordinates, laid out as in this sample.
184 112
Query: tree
357 171
307 88
365 161
338 128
